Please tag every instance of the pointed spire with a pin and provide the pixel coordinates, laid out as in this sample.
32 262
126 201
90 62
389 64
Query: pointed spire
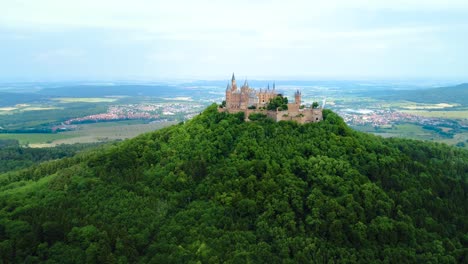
268 86
233 77
246 84
273 85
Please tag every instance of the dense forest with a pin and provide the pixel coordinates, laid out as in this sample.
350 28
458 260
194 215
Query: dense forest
13 156
219 189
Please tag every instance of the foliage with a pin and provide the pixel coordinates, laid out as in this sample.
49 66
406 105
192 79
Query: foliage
279 102
218 189
315 105
13 157
257 116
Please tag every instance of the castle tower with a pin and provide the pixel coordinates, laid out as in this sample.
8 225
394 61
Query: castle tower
297 97
228 95
233 83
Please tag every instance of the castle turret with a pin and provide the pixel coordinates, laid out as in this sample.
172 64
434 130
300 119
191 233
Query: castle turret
233 82
297 97
246 84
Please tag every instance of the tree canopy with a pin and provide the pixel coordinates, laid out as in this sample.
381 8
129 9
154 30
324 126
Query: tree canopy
218 189
278 102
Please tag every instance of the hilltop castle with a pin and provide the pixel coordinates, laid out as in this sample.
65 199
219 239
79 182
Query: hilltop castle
249 101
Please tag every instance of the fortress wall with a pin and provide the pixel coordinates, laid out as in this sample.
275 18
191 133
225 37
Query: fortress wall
301 116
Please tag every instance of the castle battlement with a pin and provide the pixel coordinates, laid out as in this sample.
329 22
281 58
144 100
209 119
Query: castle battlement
249 101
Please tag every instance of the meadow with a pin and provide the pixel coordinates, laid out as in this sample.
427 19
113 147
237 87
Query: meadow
36 138
462 114
85 100
98 132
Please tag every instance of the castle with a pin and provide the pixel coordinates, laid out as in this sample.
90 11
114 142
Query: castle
250 101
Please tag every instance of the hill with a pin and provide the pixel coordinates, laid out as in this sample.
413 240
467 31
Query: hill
10 99
452 94
218 189
119 90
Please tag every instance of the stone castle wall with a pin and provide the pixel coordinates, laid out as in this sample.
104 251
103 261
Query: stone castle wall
293 113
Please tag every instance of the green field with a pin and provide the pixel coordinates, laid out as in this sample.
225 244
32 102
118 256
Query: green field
414 131
103 132
87 133
85 100
35 138
440 114
401 130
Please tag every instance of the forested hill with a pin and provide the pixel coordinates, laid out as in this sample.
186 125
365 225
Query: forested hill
453 94
218 189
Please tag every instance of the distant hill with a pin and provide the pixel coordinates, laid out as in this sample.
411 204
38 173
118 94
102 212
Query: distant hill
452 94
118 90
217 189
10 99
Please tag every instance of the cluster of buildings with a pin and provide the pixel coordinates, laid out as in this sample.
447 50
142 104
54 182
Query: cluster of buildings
140 111
248 100
384 118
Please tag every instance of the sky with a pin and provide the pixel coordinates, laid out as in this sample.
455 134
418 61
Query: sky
179 39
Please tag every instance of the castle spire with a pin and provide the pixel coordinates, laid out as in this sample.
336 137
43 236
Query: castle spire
273 85
233 83
297 97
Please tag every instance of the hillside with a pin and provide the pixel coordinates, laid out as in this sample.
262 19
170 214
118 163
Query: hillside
453 94
218 189
119 90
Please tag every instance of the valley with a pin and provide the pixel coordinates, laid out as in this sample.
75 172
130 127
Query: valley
76 113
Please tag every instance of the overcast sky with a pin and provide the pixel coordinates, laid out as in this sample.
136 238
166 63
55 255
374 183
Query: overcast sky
173 39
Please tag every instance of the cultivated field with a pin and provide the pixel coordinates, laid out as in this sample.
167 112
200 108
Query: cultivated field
85 100
463 114
35 138
101 132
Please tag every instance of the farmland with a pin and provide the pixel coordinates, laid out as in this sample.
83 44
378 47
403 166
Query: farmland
94 113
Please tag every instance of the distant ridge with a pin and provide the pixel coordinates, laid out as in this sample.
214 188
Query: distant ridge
450 94
119 90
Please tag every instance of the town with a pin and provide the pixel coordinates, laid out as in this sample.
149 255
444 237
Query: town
144 111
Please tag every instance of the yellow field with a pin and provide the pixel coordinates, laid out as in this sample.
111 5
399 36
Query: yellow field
32 108
440 114
428 106
180 98
85 100
417 106
7 108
